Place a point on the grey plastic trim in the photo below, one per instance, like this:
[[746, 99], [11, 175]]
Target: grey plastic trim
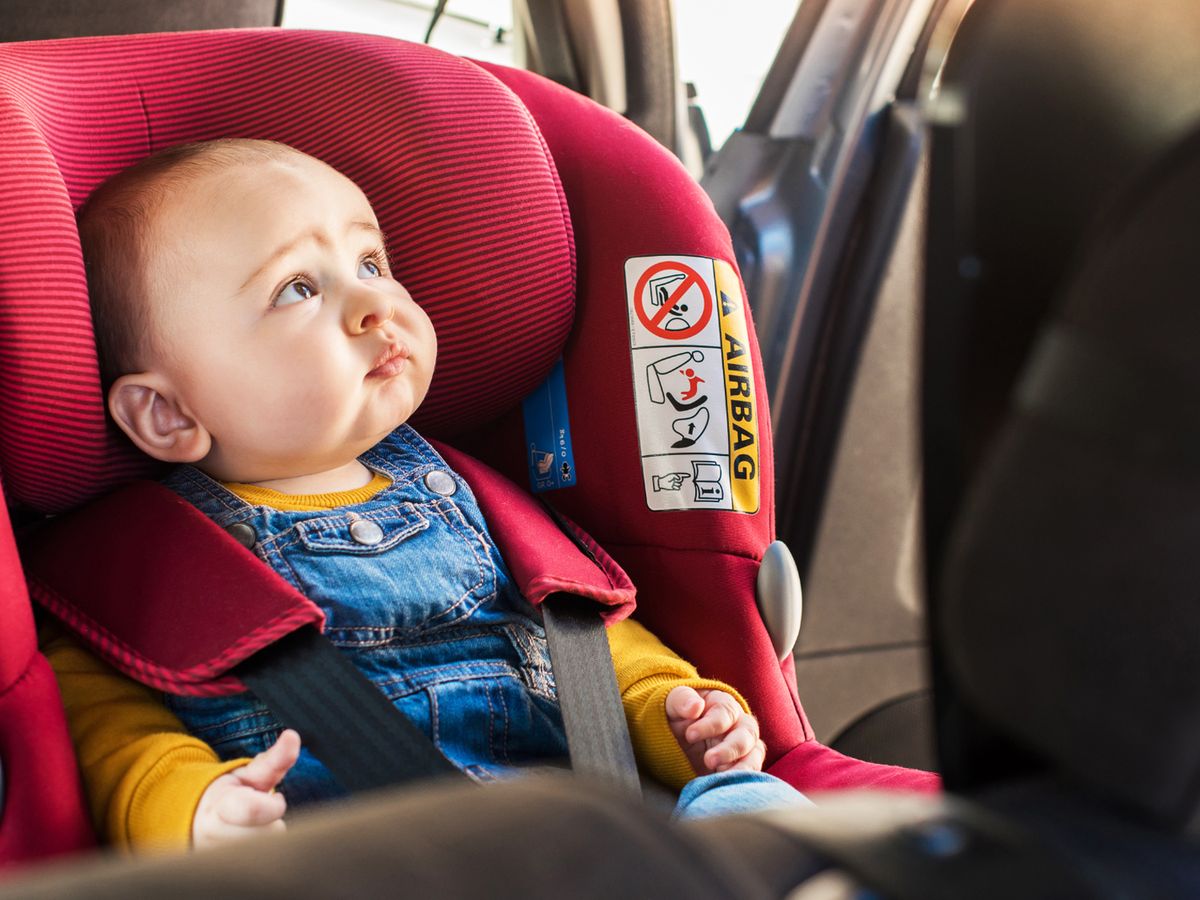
[[780, 597], [827, 63], [594, 30]]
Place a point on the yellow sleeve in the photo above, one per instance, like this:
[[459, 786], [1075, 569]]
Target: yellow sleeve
[[143, 773], [646, 672]]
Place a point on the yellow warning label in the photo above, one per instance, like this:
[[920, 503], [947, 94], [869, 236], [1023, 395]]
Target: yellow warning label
[[739, 391]]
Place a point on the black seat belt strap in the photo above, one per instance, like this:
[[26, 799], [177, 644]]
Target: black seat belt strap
[[593, 716], [367, 743], [344, 719], [594, 719]]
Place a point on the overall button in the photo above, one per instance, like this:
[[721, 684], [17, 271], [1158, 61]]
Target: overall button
[[441, 482], [366, 533], [244, 534]]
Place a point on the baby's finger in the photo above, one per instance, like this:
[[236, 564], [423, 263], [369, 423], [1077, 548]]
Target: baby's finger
[[729, 747], [721, 714], [683, 703], [752, 761], [269, 768], [248, 808], [736, 744]]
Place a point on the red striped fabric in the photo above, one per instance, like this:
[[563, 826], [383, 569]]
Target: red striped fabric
[[208, 678], [452, 162]]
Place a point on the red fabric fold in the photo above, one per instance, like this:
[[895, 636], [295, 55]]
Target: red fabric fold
[[164, 595], [542, 559], [44, 811], [159, 591]]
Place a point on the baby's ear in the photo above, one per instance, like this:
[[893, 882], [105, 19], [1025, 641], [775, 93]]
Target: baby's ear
[[147, 408]]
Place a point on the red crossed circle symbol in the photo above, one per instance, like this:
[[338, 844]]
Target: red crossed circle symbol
[[653, 323]]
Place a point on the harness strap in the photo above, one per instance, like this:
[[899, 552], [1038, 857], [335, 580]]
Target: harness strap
[[346, 721], [588, 696], [78, 567], [367, 743], [593, 717]]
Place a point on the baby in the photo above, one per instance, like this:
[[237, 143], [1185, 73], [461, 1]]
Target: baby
[[252, 332]]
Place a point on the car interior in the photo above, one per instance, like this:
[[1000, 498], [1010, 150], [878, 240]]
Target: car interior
[[964, 234]]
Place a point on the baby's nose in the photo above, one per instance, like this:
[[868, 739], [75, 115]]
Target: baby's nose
[[367, 309]]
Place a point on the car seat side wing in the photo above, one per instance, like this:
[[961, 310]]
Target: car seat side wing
[[42, 809]]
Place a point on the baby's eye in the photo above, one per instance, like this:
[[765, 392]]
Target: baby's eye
[[294, 292], [369, 268]]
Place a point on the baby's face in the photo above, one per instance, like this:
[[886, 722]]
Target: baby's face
[[279, 322]]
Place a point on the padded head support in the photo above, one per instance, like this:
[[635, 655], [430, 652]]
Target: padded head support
[[1070, 614], [470, 201]]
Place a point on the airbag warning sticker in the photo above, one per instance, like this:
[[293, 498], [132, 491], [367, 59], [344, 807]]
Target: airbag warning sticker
[[693, 384]]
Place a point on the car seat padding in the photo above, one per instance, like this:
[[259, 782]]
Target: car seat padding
[[166, 596], [688, 566], [695, 570], [43, 812]]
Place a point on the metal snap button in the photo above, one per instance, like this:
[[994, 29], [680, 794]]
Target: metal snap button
[[366, 532], [244, 534], [441, 482]]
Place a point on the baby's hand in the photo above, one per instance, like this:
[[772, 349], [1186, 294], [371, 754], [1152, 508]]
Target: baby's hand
[[714, 731], [241, 803]]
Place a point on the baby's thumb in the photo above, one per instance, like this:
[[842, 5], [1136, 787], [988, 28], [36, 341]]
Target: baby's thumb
[[269, 768], [684, 703]]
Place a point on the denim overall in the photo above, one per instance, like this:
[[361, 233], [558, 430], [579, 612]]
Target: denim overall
[[414, 591]]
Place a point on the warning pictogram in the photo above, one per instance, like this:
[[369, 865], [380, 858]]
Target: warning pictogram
[[693, 384], [672, 301]]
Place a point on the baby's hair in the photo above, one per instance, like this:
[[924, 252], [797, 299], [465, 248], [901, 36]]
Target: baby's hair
[[115, 234]]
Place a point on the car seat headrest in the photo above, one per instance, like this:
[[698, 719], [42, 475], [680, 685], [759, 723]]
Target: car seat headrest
[[1063, 101], [454, 165], [1069, 609]]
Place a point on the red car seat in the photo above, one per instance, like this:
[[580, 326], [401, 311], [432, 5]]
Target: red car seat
[[512, 206], [41, 813]]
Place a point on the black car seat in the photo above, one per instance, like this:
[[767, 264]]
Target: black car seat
[[34, 20], [1060, 403]]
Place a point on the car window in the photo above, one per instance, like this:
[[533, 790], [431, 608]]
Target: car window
[[481, 29], [725, 50]]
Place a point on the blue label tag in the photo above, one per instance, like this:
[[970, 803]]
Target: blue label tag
[[548, 434]]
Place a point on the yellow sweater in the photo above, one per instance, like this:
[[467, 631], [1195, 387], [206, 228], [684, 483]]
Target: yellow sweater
[[144, 774]]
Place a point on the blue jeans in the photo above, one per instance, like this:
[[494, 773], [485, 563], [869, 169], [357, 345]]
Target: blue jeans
[[725, 793]]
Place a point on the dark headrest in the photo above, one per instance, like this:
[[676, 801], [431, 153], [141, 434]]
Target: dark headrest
[[1064, 101], [1070, 610], [36, 20]]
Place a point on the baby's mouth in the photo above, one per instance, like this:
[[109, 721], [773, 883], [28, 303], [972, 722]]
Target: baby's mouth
[[390, 362]]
